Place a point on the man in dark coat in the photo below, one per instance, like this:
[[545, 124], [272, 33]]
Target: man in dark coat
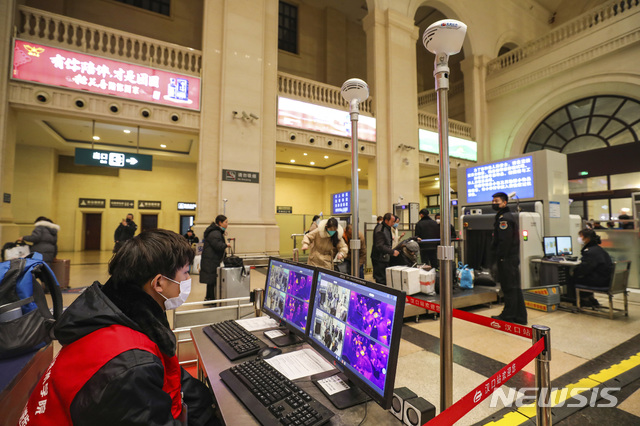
[[506, 251], [213, 253], [408, 250], [382, 249], [124, 232], [118, 362], [595, 268], [428, 229]]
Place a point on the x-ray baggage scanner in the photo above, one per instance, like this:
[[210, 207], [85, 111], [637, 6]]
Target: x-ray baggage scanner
[[538, 188]]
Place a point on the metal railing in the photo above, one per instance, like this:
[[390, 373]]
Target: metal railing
[[574, 28], [429, 96], [456, 128]]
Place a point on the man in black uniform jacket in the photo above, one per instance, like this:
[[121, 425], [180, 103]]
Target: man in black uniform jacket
[[124, 232], [428, 229], [382, 249], [506, 251]]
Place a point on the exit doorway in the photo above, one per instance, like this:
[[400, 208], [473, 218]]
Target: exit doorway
[[92, 230], [186, 222], [148, 221]]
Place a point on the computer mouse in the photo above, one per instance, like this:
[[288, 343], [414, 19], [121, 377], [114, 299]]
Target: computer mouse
[[266, 353]]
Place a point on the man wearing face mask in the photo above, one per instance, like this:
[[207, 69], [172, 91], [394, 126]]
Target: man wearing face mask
[[118, 362], [124, 232], [506, 252]]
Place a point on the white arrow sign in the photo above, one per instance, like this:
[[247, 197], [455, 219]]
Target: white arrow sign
[[132, 161]]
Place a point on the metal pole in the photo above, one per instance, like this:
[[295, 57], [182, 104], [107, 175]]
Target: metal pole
[[445, 250], [258, 296], [543, 381], [354, 243]]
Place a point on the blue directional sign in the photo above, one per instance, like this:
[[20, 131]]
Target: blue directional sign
[[118, 160]]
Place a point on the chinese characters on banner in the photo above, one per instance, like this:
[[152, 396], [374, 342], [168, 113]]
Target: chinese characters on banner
[[77, 71]]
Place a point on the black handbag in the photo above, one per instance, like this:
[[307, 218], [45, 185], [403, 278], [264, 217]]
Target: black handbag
[[233, 261]]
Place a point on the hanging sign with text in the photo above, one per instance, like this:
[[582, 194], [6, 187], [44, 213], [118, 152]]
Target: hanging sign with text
[[116, 160], [72, 70], [121, 204], [97, 203], [149, 205]]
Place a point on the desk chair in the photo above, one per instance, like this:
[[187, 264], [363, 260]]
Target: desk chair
[[617, 285]]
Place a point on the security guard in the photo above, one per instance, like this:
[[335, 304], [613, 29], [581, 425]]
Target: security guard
[[506, 250]]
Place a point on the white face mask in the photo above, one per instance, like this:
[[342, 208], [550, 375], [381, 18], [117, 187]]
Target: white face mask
[[438, 221], [176, 302], [580, 240]]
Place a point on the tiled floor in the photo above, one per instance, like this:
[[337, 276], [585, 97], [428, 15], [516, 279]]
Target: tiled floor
[[581, 345]]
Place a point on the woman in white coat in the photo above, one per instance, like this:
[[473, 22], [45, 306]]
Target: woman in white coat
[[325, 241]]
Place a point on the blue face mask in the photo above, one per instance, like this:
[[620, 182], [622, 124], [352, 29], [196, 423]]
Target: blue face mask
[[395, 225], [331, 233], [223, 229]]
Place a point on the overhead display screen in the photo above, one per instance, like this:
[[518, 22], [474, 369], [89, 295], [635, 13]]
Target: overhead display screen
[[77, 71], [458, 148], [341, 203], [504, 176], [303, 115]]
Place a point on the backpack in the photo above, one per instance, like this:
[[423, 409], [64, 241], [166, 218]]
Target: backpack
[[26, 323], [465, 276]]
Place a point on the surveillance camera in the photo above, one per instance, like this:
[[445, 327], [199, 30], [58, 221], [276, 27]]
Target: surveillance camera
[[42, 97], [445, 36], [346, 145], [362, 148], [292, 137], [145, 113], [225, 199], [80, 103], [175, 117], [114, 108], [235, 113], [245, 115], [312, 140], [252, 115], [329, 143]]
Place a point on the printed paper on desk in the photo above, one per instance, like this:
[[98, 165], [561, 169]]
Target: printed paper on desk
[[333, 384], [300, 363], [257, 323]]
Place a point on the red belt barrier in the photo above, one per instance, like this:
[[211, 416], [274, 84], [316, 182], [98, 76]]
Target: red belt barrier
[[479, 394], [507, 327]]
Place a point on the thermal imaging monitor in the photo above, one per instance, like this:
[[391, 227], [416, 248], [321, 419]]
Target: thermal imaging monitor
[[356, 325], [564, 246], [287, 297], [550, 248]]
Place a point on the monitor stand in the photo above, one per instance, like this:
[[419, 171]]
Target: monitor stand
[[342, 399], [282, 337]]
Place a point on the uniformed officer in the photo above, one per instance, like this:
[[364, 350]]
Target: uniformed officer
[[506, 251]]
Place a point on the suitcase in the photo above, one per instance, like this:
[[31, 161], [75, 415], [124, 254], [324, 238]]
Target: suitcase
[[61, 268]]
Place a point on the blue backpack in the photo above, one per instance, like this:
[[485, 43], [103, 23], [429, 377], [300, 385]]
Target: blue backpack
[[465, 275], [26, 322]]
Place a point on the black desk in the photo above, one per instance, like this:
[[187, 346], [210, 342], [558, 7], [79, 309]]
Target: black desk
[[546, 272], [211, 361]]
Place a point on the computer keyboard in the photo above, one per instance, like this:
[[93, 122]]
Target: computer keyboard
[[233, 340], [271, 397]]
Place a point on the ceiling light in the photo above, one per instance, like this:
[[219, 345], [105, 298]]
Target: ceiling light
[[313, 163], [293, 161], [162, 145], [326, 157], [304, 153], [359, 169], [127, 131], [96, 138], [437, 179]]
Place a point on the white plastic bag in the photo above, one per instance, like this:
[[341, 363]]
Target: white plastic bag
[[428, 281], [16, 252]]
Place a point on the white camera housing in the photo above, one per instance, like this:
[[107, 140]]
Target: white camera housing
[[445, 36]]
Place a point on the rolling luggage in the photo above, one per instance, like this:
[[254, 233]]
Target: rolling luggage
[[61, 268]]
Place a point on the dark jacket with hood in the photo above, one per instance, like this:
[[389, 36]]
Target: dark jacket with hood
[[428, 229], [595, 267], [382, 243], [213, 253], [45, 240], [130, 387]]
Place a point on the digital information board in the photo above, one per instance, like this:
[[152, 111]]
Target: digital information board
[[118, 160], [504, 176], [341, 203], [459, 148]]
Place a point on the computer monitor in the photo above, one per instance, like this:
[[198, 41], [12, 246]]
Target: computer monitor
[[357, 325], [564, 246], [550, 248], [287, 294]]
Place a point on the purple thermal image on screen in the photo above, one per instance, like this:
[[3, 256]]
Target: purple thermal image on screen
[[295, 311], [367, 357], [300, 285], [372, 317]]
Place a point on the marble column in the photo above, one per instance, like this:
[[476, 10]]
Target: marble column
[[391, 71], [238, 121], [474, 70]]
